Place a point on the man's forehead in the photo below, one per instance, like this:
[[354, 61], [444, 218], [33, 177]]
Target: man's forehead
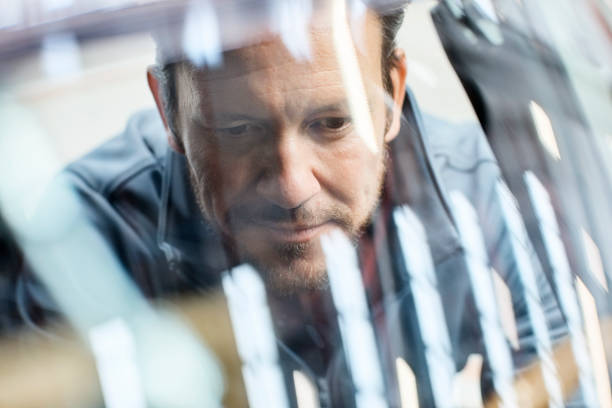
[[290, 90], [264, 78], [269, 56]]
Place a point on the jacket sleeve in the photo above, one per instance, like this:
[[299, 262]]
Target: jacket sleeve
[[101, 242]]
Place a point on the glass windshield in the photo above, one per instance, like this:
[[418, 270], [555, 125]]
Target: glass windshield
[[305, 203]]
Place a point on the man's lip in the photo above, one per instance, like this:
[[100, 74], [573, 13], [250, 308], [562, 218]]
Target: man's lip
[[288, 232]]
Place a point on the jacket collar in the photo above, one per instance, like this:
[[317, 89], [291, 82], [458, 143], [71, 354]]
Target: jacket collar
[[413, 180], [183, 234]]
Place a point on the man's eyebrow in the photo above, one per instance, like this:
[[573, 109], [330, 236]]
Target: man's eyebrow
[[342, 106], [223, 118]]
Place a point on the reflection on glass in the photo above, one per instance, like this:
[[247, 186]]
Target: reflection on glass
[[305, 391], [232, 145], [521, 252], [200, 23], [498, 351], [113, 345], [592, 329], [487, 9], [351, 75], [545, 131], [353, 318], [406, 380], [506, 309], [430, 313], [255, 339], [562, 276], [594, 259], [292, 19], [87, 282], [466, 384], [60, 55]]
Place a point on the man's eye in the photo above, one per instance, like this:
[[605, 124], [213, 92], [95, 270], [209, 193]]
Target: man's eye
[[331, 124], [240, 130]]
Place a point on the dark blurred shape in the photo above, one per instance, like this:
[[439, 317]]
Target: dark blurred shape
[[505, 82], [534, 121], [11, 263]]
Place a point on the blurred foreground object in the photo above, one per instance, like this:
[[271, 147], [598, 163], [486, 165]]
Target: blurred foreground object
[[59, 370], [62, 370], [129, 340]]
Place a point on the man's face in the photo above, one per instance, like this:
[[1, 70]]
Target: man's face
[[274, 154]]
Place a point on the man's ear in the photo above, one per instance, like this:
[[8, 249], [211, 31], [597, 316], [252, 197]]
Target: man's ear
[[154, 87], [397, 74]]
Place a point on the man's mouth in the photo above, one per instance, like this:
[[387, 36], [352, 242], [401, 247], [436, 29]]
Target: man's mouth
[[293, 232]]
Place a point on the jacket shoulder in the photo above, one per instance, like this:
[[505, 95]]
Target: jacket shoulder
[[118, 188], [463, 146], [140, 147]]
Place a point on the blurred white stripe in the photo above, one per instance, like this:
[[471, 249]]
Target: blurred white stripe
[[353, 318], [521, 252], [596, 347], [351, 75], [430, 312], [255, 339], [498, 351], [406, 382], [305, 391], [562, 276]]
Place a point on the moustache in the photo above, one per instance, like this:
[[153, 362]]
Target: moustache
[[244, 214]]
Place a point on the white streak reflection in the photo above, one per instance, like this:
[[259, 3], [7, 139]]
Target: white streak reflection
[[406, 381], [292, 18], [498, 351], [522, 252], [113, 346], [358, 13], [430, 312], [562, 275], [201, 36], [487, 8], [596, 347], [61, 55], [351, 75], [594, 260], [466, 384], [545, 131], [355, 327], [506, 309], [305, 391], [255, 338]]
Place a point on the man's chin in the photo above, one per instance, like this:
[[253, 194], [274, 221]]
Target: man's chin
[[301, 271]]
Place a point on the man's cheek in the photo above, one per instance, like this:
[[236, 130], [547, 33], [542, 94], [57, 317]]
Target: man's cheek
[[235, 188], [360, 177], [207, 176], [238, 177]]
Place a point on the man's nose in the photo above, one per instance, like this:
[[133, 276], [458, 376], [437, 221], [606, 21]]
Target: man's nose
[[289, 178]]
